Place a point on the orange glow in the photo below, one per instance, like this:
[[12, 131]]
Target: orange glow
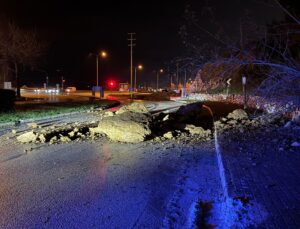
[[103, 54]]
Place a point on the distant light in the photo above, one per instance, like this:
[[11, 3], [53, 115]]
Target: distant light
[[140, 67], [103, 54], [161, 70], [111, 83]]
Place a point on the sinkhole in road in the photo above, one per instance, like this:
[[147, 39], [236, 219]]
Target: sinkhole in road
[[190, 114]]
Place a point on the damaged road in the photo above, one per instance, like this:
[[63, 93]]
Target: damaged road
[[97, 181], [91, 174]]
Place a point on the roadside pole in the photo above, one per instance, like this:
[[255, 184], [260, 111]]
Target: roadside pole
[[244, 81]]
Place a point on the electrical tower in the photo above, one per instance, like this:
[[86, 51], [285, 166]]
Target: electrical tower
[[131, 44]]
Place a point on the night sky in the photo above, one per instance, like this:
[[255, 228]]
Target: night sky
[[73, 30]]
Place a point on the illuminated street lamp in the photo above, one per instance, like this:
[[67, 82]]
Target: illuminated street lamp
[[103, 54], [157, 77], [139, 67]]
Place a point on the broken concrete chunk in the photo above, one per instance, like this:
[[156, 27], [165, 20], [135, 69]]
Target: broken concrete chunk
[[72, 134], [108, 114], [13, 131], [238, 114], [64, 139], [42, 138], [193, 130], [27, 137], [166, 118], [168, 135], [133, 107], [53, 140], [81, 135]]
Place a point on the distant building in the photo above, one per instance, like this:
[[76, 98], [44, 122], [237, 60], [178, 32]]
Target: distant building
[[123, 86]]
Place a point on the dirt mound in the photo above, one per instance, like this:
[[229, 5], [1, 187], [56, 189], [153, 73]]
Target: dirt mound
[[240, 121]]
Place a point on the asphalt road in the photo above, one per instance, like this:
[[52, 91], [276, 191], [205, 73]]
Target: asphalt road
[[98, 184]]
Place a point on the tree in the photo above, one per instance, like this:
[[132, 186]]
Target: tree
[[269, 54], [20, 48]]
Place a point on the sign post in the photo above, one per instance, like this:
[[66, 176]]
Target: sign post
[[244, 81]]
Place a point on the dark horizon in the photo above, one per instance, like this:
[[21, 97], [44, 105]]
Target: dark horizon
[[76, 29]]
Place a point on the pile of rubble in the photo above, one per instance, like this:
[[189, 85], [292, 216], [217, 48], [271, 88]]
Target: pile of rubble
[[131, 124], [240, 121], [285, 133], [55, 134]]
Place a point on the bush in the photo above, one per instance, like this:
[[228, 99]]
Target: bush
[[7, 100]]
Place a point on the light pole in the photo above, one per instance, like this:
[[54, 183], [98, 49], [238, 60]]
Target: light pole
[[103, 54], [244, 81], [139, 67], [62, 83], [157, 77], [47, 81]]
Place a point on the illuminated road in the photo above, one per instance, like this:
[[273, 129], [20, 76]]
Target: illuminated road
[[99, 184], [80, 95]]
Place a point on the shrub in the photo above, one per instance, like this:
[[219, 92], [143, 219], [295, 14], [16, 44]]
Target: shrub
[[7, 100]]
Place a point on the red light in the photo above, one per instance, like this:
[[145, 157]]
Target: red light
[[111, 84]]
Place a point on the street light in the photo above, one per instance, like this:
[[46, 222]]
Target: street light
[[157, 77], [139, 67], [102, 54]]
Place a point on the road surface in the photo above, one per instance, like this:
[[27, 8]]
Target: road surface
[[99, 184]]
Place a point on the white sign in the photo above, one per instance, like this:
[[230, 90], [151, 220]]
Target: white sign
[[228, 81], [244, 80], [7, 85]]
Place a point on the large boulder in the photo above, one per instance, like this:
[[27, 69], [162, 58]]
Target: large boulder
[[133, 107], [238, 114], [128, 127]]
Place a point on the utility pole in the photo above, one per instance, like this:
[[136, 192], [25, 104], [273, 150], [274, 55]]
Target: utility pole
[[131, 44], [177, 75], [97, 70], [62, 83], [184, 85]]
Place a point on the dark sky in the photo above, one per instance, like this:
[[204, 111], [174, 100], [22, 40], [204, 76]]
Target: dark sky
[[76, 28]]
